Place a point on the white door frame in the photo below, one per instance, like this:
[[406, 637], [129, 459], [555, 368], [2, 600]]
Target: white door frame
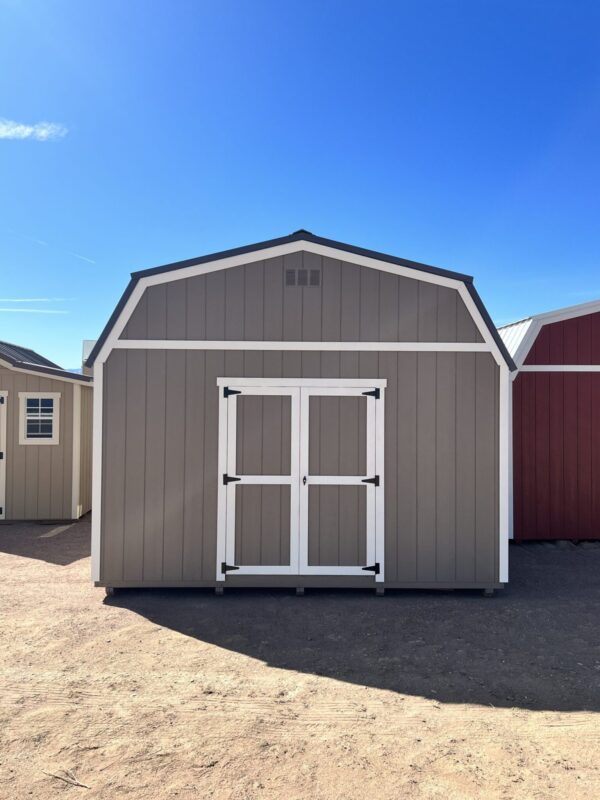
[[3, 412], [300, 390]]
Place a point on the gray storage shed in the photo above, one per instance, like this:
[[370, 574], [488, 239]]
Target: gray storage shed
[[300, 412], [45, 438]]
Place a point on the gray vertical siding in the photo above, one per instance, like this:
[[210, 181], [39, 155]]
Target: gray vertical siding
[[85, 473], [38, 477], [253, 302], [160, 457]]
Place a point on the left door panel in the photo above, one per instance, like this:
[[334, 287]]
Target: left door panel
[[260, 480]]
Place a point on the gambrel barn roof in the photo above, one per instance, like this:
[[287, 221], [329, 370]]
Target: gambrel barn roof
[[305, 236]]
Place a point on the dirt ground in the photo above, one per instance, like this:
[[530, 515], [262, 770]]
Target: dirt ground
[[256, 694]]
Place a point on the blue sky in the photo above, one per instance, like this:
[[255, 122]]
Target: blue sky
[[460, 134]]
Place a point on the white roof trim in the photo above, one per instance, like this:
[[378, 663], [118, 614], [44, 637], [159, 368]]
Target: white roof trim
[[519, 336], [283, 249]]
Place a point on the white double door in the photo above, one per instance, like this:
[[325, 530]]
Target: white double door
[[300, 477]]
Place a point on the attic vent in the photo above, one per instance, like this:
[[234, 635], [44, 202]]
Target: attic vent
[[302, 277]]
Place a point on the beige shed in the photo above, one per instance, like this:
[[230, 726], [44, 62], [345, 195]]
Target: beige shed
[[45, 438], [300, 413]]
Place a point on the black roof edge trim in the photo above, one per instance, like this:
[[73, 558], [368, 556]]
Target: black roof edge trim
[[491, 327], [303, 236], [55, 372], [295, 237]]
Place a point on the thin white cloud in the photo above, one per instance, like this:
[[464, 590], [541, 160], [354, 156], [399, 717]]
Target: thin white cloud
[[40, 132], [83, 258], [32, 311], [36, 299]]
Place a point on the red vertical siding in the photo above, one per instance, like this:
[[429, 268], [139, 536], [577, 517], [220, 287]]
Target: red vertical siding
[[572, 341], [556, 436], [556, 450]]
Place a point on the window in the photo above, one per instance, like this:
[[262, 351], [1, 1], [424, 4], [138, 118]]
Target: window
[[39, 417]]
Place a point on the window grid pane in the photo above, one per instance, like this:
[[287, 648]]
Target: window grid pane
[[39, 418]]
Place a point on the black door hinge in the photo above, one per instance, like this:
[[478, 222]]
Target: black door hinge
[[229, 479], [1, 456], [1, 400], [374, 480], [227, 392], [227, 567], [373, 568], [375, 393]]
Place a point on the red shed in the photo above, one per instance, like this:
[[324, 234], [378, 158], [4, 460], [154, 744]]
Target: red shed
[[556, 423]]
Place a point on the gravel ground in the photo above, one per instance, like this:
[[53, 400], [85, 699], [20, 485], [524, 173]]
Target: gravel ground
[[261, 694]]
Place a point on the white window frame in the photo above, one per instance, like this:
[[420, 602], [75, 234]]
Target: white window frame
[[23, 397], [300, 391]]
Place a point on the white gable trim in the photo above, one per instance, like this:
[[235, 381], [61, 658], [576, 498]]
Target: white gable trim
[[547, 318], [285, 249]]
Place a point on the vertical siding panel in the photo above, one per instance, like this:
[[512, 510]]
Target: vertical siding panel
[[407, 394], [446, 314], [135, 464], [428, 302], [555, 347], [426, 471], [331, 279], [466, 330], [528, 454], [485, 464], [215, 364], [157, 311], [569, 341], [408, 310], [350, 302], [584, 339], [595, 466], [369, 305], [388, 368], [312, 301], [273, 299], [194, 479], [235, 289], [570, 424], [584, 454], [176, 309], [556, 455], [542, 454], [595, 356], [215, 305], [388, 307], [292, 301], [175, 447], [113, 466], [196, 308], [254, 313], [517, 458], [466, 477], [137, 327], [66, 456], [446, 466], [155, 465]]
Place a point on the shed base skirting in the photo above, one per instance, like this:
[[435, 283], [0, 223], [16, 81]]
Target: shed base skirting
[[291, 582]]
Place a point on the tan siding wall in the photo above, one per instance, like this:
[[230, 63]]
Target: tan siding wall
[[160, 461], [85, 474], [38, 477], [252, 302]]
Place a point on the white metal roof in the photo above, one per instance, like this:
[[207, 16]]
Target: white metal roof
[[519, 336]]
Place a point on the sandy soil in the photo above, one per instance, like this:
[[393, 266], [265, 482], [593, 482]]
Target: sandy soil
[[266, 695]]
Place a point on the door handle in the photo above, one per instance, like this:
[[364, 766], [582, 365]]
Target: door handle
[[304, 480]]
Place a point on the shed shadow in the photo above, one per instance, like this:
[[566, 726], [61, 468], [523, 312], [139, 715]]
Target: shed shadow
[[534, 646], [60, 543]]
